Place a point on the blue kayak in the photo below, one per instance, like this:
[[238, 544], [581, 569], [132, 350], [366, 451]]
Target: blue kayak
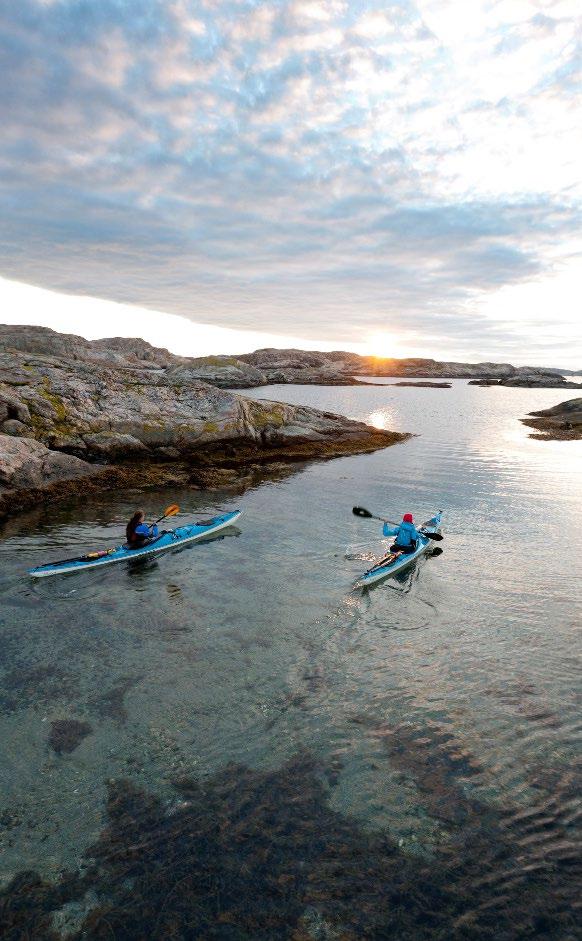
[[396, 562], [171, 539]]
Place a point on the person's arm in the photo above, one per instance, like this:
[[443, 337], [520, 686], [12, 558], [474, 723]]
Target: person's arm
[[154, 531], [389, 530]]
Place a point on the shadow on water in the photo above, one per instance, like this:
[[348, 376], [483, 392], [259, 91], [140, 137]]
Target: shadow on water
[[251, 854]]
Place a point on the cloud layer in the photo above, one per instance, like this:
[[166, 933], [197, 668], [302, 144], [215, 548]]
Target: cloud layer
[[319, 168]]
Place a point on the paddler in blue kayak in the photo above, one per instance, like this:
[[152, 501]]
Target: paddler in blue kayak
[[138, 533], [406, 534]]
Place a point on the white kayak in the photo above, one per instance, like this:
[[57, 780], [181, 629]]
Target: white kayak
[[396, 562]]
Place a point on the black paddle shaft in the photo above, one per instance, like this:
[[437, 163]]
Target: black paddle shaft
[[365, 514]]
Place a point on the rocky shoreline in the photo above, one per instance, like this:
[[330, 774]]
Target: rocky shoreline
[[529, 382], [340, 368], [78, 417], [267, 366], [563, 422]]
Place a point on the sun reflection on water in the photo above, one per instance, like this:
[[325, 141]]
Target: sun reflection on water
[[382, 418]]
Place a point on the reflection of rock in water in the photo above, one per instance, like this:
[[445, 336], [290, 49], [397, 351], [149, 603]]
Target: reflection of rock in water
[[253, 855]]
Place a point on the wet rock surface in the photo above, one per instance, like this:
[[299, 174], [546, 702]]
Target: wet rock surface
[[563, 422]]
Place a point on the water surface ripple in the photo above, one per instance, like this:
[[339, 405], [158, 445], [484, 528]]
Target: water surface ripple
[[257, 750]]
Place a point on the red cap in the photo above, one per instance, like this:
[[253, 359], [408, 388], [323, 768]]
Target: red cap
[[407, 518]]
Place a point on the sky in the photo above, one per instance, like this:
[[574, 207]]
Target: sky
[[402, 178]]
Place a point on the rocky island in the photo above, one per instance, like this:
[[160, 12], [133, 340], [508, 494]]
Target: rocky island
[[530, 381], [424, 385], [341, 368], [78, 416], [563, 422]]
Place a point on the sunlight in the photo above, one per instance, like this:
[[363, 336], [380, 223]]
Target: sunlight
[[383, 345], [382, 419]]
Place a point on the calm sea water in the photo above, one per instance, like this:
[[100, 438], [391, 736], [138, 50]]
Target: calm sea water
[[299, 760]]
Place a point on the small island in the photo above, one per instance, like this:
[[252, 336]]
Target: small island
[[540, 381], [563, 422], [424, 385]]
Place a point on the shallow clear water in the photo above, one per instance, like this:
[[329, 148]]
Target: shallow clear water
[[438, 711]]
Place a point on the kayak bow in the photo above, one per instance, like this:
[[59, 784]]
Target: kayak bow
[[398, 561], [171, 539]]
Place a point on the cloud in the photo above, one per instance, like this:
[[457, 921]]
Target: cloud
[[317, 168]]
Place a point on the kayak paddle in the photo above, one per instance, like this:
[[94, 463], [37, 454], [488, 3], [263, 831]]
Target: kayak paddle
[[365, 514], [361, 511], [170, 511]]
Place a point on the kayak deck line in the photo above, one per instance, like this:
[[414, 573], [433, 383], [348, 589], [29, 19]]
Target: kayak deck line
[[395, 562], [171, 539]]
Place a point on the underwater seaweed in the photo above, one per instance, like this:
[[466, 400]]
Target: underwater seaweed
[[252, 854]]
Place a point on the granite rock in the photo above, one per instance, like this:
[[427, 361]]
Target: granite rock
[[562, 422], [530, 381], [71, 416]]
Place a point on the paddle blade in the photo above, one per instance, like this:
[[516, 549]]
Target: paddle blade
[[437, 537], [360, 511], [171, 510]]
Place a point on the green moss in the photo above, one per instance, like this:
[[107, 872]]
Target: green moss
[[55, 400], [218, 361], [268, 416], [37, 422], [210, 427], [60, 424], [153, 428]]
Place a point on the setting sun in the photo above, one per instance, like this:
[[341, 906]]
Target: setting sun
[[383, 345]]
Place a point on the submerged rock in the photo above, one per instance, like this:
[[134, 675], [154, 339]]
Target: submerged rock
[[248, 854], [67, 734], [562, 422]]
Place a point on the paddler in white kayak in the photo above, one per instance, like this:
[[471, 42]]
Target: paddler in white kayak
[[137, 531], [406, 534]]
